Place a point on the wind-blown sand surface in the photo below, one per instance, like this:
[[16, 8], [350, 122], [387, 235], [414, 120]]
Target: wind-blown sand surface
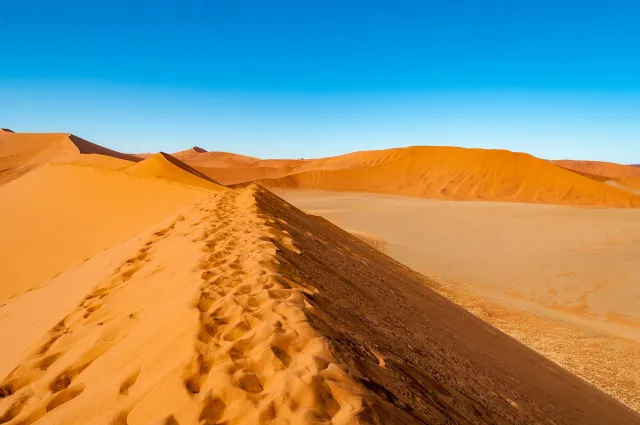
[[144, 292], [23, 152], [529, 269], [241, 309], [421, 171], [57, 216], [599, 168]]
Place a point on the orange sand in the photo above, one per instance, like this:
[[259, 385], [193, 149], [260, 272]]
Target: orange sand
[[243, 310], [630, 182], [456, 173], [148, 294], [606, 169], [23, 152], [164, 166], [62, 214]]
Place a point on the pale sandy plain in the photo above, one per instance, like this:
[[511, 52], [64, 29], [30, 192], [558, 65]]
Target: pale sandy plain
[[141, 291]]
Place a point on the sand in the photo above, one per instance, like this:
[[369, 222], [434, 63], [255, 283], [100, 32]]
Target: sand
[[144, 292], [166, 167], [60, 215], [228, 168], [599, 168], [632, 184], [457, 173], [24, 152], [526, 268], [241, 309]]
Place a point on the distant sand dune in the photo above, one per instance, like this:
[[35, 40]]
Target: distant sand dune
[[23, 152], [455, 173], [164, 166], [599, 168]]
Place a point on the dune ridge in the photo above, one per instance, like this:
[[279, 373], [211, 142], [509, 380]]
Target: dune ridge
[[455, 173], [241, 309], [165, 166], [23, 152], [600, 168]]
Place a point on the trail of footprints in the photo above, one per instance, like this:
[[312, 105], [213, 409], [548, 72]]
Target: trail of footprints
[[253, 334], [24, 387], [255, 360]]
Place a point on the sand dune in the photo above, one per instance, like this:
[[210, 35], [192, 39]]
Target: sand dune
[[58, 215], [164, 166], [631, 184], [551, 276], [228, 168], [243, 310], [23, 152], [455, 173], [424, 171], [598, 168]]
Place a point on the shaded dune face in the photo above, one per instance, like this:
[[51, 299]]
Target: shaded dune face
[[24, 152], [242, 309], [599, 168], [165, 166]]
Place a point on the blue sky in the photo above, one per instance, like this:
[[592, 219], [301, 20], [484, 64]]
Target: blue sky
[[558, 79]]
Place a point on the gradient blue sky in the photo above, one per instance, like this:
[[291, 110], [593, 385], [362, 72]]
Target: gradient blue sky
[[558, 79]]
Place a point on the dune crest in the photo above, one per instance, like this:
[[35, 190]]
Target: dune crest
[[244, 310], [599, 168], [165, 166], [23, 152]]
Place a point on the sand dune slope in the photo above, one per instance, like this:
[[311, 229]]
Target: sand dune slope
[[244, 310], [164, 166], [229, 168], [598, 168], [23, 152], [58, 215], [455, 173], [632, 184]]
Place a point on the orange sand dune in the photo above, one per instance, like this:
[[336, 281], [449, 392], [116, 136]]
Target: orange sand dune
[[22, 152], [241, 309], [630, 183], [606, 169], [200, 157], [164, 166], [98, 161], [229, 168], [58, 215], [230, 175], [455, 173]]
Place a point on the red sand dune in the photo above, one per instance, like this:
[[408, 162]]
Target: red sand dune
[[599, 168], [22, 152], [164, 166], [455, 173], [630, 182], [230, 168]]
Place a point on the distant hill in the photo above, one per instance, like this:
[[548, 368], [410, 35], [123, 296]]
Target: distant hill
[[454, 173]]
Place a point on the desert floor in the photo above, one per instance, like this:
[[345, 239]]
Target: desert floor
[[535, 271]]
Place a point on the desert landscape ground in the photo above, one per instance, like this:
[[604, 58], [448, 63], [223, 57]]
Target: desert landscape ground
[[180, 289]]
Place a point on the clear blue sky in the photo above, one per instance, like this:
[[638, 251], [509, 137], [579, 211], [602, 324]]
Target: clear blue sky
[[558, 79]]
